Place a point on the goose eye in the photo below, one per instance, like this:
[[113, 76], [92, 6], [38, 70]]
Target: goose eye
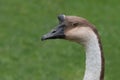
[[75, 24]]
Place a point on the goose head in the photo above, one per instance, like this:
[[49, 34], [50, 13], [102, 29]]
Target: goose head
[[71, 28], [78, 29]]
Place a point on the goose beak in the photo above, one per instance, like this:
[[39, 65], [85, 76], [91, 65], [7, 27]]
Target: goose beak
[[56, 33]]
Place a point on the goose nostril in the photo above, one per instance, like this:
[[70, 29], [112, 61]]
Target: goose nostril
[[53, 31]]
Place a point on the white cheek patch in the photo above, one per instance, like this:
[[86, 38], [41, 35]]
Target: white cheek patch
[[79, 34]]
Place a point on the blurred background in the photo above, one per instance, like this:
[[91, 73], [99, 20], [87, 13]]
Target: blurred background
[[23, 56]]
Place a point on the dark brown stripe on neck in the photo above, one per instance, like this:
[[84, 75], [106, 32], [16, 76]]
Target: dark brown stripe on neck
[[102, 60]]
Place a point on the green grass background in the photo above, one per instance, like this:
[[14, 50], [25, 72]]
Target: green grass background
[[23, 56]]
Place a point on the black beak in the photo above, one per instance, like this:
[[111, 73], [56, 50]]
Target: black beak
[[56, 33]]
